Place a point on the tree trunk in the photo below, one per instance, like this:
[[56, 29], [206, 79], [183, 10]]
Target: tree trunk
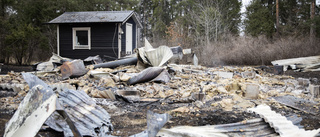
[[277, 16], [312, 30]]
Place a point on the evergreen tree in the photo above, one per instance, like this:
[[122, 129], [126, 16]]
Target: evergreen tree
[[260, 20]]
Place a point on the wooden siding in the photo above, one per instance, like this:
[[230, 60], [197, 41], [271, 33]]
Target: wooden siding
[[104, 41]]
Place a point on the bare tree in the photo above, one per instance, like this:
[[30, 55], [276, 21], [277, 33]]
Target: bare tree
[[207, 21]]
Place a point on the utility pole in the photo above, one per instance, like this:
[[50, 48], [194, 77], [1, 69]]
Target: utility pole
[[277, 16], [312, 14]]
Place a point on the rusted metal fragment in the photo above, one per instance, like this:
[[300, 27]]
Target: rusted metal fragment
[[33, 111], [280, 123], [51, 64], [74, 68], [89, 118]]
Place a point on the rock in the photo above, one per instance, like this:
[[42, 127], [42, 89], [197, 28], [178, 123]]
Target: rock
[[226, 104], [227, 75], [297, 92], [221, 89], [273, 93], [85, 89], [198, 104], [183, 109], [235, 86], [124, 77], [107, 82]]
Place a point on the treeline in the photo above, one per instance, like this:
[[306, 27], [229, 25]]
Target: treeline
[[295, 17], [210, 27]]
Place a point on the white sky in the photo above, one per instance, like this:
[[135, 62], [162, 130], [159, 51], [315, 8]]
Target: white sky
[[244, 4]]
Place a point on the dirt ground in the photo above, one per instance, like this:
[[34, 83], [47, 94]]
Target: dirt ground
[[130, 118]]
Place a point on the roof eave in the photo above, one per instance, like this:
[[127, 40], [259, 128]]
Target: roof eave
[[135, 18]]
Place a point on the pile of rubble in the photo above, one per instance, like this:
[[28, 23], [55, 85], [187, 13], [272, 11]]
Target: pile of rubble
[[82, 100]]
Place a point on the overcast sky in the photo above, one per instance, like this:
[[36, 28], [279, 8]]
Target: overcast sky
[[244, 4]]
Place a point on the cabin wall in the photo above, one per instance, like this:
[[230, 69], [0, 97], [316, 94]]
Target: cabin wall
[[104, 41]]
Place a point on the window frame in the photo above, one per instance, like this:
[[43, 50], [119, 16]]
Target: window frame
[[74, 42]]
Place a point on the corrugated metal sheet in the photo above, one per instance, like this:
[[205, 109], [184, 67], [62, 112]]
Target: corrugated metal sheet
[[89, 118], [37, 105], [159, 56], [280, 123], [93, 16], [252, 127]]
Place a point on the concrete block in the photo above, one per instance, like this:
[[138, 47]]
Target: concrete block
[[303, 81], [314, 90], [248, 74], [252, 91], [224, 74]]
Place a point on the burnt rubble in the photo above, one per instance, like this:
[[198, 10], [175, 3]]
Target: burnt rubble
[[125, 99]]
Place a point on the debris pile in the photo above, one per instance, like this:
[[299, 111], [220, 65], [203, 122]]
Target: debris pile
[[304, 64], [95, 100]]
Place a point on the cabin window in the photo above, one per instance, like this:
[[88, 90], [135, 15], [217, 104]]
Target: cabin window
[[81, 38]]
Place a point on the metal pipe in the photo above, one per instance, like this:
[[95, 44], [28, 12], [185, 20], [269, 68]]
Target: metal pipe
[[117, 63]]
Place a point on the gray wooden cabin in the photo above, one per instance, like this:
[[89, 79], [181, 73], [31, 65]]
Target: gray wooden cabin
[[110, 34]]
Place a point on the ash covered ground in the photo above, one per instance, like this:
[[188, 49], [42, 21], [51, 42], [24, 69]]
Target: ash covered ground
[[224, 101]]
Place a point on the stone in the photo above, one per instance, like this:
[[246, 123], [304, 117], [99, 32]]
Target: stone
[[221, 89], [124, 77], [198, 104], [297, 92], [107, 82]]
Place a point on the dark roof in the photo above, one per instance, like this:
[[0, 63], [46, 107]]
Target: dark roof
[[95, 16]]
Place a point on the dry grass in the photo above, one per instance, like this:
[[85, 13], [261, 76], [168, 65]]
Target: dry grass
[[255, 50]]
